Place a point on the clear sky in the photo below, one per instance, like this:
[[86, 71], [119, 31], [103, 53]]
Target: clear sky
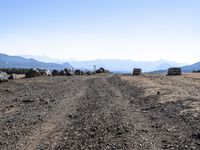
[[91, 29]]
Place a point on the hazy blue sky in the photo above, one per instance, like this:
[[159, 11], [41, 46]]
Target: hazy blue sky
[[90, 29]]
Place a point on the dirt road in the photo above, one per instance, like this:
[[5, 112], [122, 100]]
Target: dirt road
[[100, 112]]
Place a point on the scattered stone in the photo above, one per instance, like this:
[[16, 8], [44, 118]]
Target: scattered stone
[[46, 101]]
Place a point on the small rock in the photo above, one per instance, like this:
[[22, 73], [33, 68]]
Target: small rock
[[27, 101], [158, 93], [196, 136], [46, 101]]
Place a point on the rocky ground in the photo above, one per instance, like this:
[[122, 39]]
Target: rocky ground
[[101, 113]]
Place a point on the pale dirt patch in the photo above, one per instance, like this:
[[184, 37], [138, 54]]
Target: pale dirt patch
[[171, 88]]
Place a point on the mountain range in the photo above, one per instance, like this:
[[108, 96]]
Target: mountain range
[[125, 66], [185, 69], [7, 61], [114, 65]]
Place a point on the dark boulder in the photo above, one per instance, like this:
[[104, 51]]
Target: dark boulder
[[196, 71], [55, 73], [12, 76], [45, 72], [78, 72], [100, 70], [3, 77], [33, 73], [69, 72], [107, 71], [63, 73], [89, 73]]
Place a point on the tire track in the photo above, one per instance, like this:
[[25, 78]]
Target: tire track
[[55, 119]]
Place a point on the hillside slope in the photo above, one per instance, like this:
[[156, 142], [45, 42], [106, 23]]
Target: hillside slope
[[7, 61], [190, 68]]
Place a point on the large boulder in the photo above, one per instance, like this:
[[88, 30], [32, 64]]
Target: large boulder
[[78, 72], [12, 76], [3, 77], [33, 73], [69, 72], [63, 73], [45, 72], [55, 73], [89, 73], [100, 70]]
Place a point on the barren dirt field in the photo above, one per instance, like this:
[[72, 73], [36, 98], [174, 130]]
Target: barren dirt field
[[106, 112]]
